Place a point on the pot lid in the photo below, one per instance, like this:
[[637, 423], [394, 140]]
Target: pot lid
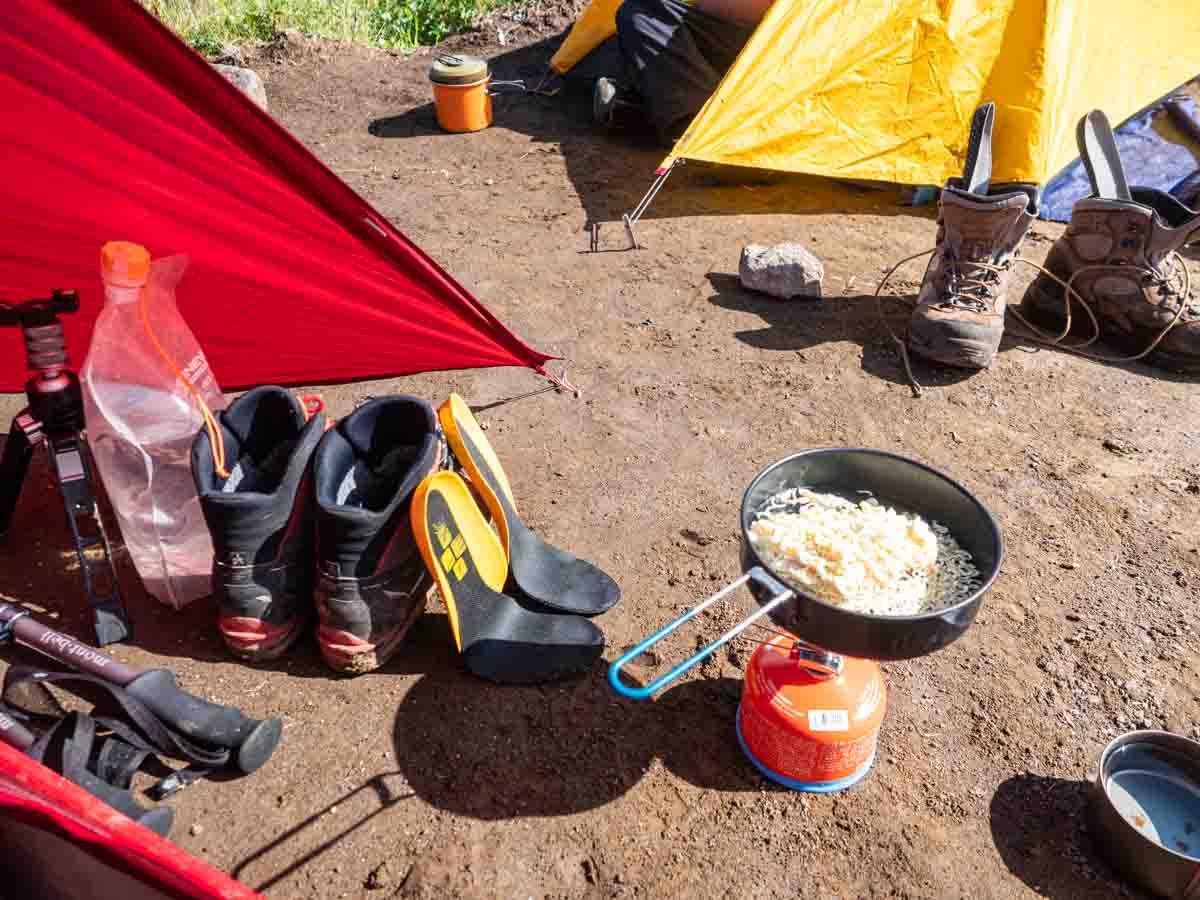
[[453, 68]]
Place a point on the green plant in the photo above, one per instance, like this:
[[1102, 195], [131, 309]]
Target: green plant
[[212, 25], [417, 23]]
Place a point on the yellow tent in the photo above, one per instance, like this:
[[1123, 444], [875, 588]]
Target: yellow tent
[[884, 90]]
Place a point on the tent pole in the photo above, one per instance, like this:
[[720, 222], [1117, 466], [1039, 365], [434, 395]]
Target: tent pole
[[631, 219]]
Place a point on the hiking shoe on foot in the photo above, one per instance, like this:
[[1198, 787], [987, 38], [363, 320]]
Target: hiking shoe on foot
[[615, 107], [371, 581], [959, 317], [1120, 256], [604, 98], [260, 518]]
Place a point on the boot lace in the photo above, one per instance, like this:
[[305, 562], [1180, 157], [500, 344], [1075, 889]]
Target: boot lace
[[972, 284], [1173, 284]]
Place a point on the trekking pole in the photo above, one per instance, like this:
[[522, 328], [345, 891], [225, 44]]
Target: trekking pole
[[14, 733], [250, 742]]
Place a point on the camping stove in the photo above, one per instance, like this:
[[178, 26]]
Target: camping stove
[[811, 709], [809, 719]]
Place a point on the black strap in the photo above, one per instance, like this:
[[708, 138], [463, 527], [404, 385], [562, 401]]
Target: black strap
[[133, 722], [67, 748], [117, 761]]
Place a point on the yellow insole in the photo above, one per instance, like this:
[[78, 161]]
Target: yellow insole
[[455, 540], [456, 420]]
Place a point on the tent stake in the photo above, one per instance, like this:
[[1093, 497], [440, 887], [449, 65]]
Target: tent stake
[[559, 381], [631, 219]]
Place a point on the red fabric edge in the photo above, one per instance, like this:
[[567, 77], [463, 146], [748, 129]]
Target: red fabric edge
[[33, 794]]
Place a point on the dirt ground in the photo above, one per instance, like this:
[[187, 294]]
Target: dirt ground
[[422, 781]]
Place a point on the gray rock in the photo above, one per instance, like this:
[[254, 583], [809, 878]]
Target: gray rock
[[784, 271], [247, 81]]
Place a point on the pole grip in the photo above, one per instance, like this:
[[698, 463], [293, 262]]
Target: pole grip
[[251, 740]]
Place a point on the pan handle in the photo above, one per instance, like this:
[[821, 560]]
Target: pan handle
[[758, 574]]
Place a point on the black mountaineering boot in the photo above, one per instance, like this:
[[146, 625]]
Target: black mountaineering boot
[[260, 518], [371, 581]]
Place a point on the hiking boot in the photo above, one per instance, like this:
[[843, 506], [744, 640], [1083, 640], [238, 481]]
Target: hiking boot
[[959, 317], [260, 518], [371, 581], [1120, 256]]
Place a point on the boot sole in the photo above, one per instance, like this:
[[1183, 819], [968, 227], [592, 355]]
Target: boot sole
[[1130, 344], [254, 641], [344, 652], [961, 353]]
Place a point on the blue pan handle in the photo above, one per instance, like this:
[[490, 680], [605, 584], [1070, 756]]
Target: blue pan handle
[[758, 574]]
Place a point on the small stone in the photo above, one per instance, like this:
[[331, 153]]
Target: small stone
[[247, 81], [1118, 447], [196, 830], [784, 271], [377, 878]]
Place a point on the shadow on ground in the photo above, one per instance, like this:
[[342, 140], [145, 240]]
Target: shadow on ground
[[1039, 828], [493, 752], [611, 172], [799, 325], [382, 792]]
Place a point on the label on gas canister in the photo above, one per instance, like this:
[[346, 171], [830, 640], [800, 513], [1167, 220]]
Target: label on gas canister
[[828, 720], [789, 754]]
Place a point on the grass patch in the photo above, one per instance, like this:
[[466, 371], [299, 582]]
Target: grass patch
[[210, 25]]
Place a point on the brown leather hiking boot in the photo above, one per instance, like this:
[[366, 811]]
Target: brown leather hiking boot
[[959, 317], [1120, 256]]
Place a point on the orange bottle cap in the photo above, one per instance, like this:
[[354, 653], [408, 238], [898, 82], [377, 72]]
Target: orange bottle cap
[[124, 263]]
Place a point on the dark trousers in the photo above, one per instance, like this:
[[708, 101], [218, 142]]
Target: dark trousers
[[675, 56]]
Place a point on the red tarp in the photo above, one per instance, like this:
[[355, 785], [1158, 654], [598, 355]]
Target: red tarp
[[61, 843], [112, 129]]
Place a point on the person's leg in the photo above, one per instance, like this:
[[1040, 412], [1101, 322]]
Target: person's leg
[[676, 56]]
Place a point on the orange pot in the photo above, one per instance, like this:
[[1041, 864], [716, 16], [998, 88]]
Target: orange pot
[[460, 93]]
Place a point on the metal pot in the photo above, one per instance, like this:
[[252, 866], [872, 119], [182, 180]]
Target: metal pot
[[1145, 811], [908, 486]]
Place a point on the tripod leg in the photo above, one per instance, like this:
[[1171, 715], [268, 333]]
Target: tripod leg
[[72, 464], [23, 434]]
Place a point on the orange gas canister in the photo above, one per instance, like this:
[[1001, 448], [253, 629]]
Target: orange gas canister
[[810, 720], [460, 92]]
